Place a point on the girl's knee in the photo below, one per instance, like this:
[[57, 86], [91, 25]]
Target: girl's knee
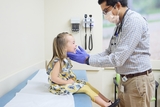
[[84, 89]]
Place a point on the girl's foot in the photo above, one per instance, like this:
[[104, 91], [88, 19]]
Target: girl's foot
[[115, 103]]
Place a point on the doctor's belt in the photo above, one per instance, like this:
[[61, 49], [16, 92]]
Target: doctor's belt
[[137, 74]]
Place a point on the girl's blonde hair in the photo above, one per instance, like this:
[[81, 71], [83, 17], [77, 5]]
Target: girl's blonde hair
[[59, 45]]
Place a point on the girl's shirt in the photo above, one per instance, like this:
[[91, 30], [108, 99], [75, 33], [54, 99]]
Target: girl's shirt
[[65, 74]]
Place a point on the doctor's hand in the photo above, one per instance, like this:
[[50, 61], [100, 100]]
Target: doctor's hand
[[80, 56]]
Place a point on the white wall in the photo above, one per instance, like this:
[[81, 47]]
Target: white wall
[[21, 36], [27, 29], [57, 19]]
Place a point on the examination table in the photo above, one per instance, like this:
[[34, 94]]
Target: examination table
[[80, 100]]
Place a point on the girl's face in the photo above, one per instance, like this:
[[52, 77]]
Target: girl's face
[[71, 46]]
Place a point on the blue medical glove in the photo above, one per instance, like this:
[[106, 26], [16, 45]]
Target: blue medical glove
[[80, 56]]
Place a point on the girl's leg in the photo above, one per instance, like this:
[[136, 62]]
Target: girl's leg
[[94, 96], [101, 102], [97, 92]]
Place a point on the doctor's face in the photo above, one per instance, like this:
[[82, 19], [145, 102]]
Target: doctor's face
[[105, 9]]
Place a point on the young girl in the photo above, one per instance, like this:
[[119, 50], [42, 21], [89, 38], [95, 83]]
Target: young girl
[[61, 78]]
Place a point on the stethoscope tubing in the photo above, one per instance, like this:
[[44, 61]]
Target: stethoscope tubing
[[116, 37]]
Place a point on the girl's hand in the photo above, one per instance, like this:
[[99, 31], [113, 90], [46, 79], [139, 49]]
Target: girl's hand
[[70, 81]]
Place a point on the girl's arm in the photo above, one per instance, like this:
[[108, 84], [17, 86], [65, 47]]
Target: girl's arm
[[54, 75]]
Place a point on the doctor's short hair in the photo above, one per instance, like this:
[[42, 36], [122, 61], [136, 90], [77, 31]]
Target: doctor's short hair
[[112, 3]]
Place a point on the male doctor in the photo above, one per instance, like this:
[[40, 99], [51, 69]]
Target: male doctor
[[128, 52]]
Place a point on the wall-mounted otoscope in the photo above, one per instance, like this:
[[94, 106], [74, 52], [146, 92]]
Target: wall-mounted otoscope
[[90, 44], [85, 17], [88, 23]]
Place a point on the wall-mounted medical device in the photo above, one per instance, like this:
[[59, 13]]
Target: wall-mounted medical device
[[75, 24], [88, 22]]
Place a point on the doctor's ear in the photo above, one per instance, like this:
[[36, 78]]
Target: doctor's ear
[[118, 5]]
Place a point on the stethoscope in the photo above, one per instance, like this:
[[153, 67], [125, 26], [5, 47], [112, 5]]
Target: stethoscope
[[119, 28], [116, 37]]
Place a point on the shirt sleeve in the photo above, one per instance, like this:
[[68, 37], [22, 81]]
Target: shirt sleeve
[[129, 39], [104, 53]]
